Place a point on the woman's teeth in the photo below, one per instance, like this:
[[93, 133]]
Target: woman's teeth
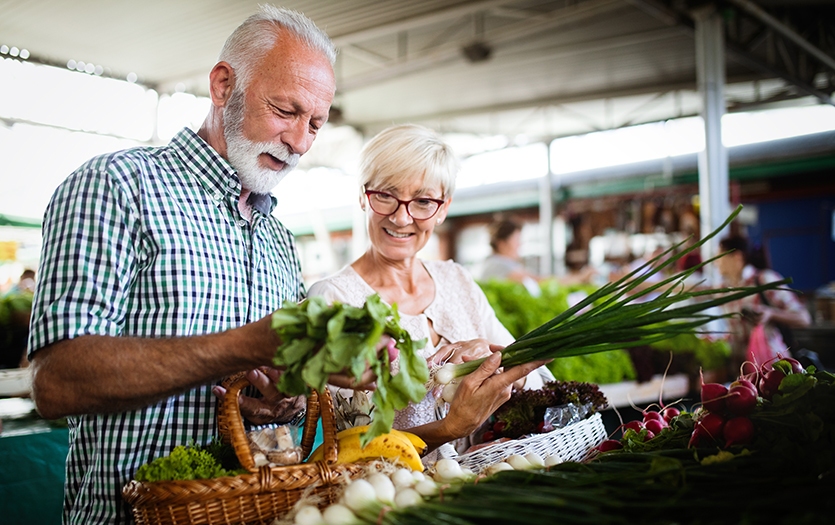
[[397, 235]]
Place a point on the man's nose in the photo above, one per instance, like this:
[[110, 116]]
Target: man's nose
[[297, 137]]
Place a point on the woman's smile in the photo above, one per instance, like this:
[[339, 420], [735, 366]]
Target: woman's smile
[[398, 235]]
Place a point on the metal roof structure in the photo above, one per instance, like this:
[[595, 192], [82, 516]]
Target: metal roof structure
[[539, 68]]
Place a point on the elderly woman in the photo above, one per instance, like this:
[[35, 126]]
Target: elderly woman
[[407, 177]]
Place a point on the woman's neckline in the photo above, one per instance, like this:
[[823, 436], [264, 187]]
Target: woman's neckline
[[431, 276]]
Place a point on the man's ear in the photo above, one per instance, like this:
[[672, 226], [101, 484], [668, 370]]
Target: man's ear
[[221, 83]]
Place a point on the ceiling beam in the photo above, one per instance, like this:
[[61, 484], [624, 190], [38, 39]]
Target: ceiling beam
[[735, 51], [557, 99], [452, 53], [415, 22], [786, 31]]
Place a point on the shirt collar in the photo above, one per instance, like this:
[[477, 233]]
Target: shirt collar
[[214, 172]]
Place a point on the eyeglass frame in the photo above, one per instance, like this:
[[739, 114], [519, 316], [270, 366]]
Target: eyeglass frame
[[368, 193]]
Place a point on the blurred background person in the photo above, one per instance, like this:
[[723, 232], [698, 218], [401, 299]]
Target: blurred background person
[[505, 262], [777, 311], [15, 311]]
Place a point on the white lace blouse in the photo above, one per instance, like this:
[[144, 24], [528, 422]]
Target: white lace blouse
[[459, 312]]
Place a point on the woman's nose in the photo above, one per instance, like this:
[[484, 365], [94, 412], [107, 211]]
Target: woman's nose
[[401, 216]]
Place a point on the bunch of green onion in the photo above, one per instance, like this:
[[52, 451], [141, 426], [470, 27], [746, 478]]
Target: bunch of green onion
[[613, 318]]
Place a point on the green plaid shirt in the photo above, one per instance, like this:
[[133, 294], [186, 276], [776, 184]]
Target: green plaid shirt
[[148, 242]]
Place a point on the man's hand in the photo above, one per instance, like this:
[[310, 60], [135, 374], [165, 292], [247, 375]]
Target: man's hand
[[273, 407]]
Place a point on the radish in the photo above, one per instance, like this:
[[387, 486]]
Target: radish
[[712, 425], [797, 368], [708, 430], [610, 444], [636, 425], [770, 383], [655, 426], [713, 397], [745, 383], [649, 436], [741, 400], [652, 415], [669, 413], [738, 431]]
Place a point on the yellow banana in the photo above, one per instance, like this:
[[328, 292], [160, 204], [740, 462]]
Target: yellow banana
[[416, 441], [316, 455], [388, 446]]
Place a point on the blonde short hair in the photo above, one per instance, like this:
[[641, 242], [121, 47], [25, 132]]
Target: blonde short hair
[[402, 153]]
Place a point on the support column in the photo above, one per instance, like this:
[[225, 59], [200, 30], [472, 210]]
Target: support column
[[546, 220], [714, 206]]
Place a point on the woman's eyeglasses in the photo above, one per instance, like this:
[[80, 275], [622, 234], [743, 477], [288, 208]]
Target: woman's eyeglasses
[[419, 209]]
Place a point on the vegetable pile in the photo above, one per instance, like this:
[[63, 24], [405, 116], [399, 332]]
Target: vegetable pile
[[784, 475], [321, 339], [792, 422]]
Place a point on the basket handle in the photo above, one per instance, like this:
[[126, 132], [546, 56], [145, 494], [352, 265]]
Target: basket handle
[[231, 424]]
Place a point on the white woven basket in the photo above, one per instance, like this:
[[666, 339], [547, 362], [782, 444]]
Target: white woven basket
[[572, 443]]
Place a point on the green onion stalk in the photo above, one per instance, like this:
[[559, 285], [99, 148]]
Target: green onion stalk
[[618, 315]]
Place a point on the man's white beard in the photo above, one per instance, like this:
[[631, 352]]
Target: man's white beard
[[243, 153]]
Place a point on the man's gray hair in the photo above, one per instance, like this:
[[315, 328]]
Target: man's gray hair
[[256, 36]]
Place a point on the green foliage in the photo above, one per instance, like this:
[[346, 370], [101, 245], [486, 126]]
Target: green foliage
[[601, 368], [186, 463], [320, 339], [710, 354]]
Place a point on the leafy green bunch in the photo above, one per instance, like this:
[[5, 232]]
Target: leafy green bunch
[[184, 462], [320, 339]]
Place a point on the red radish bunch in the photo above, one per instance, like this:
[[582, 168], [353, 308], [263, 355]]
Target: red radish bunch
[[726, 408]]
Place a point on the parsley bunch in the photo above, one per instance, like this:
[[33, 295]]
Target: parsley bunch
[[320, 339]]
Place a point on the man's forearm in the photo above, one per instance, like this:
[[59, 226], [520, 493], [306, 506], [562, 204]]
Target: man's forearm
[[103, 374]]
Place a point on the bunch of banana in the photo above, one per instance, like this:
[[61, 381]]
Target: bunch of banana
[[396, 445]]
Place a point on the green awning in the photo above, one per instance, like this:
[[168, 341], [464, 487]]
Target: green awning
[[20, 222]]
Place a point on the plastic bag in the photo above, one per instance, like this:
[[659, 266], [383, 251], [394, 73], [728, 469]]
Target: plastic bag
[[759, 351], [275, 445], [564, 415]]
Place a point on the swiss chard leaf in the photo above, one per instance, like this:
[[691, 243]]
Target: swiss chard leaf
[[320, 339]]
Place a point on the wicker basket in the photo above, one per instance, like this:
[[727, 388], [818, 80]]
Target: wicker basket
[[572, 443], [260, 496]]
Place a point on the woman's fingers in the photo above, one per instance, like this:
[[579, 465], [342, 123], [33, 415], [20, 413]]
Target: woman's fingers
[[443, 354]]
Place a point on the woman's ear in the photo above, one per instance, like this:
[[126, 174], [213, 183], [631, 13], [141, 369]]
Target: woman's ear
[[362, 202], [442, 213]]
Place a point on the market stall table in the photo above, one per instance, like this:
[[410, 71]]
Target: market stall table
[[32, 457]]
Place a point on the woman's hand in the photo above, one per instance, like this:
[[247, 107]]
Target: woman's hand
[[481, 393], [463, 351], [366, 381], [273, 407]]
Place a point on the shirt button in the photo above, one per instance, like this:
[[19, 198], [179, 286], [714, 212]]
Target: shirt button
[[241, 223], [217, 196]]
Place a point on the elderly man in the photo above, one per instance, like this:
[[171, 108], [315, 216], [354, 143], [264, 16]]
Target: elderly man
[[160, 267]]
